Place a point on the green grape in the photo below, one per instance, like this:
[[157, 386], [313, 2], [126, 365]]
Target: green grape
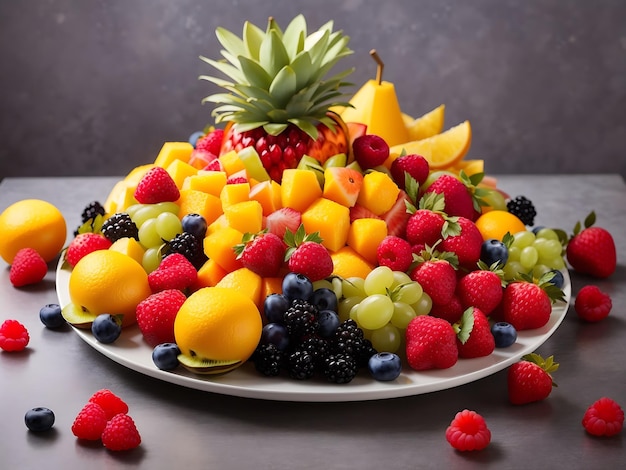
[[374, 311], [514, 253], [557, 263], [354, 315], [337, 286], [132, 210], [548, 234], [528, 257], [399, 278], [408, 293], [148, 235], [495, 200], [548, 249], [149, 211], [378, 280], [540, 269], [423, 305], [345, 305], [170, 207], [523, 239], [353, 287], [402, 315], [151, 259], [387, 338], [512, 269], [168, 225], [322, 284]]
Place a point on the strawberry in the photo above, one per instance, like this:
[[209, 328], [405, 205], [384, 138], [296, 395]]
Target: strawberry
[[482, 288], [83, 244], [468, 431], [370, 151], [307, 256], [284, 218], [529, 380], [415, 166], [262, 253], [592, 249], [474, 338], [90, 422], [430, 343], [395, 253], [436, 273], [174, 272], [359, 212], [110, 402], [156, 315], [211, 142], [592, 304], [604, 417], [451, 311], [466, 245], [424, 227], [215, 165], [396, 218], [156, 186], [120, 433], [462, 197], [28, 267]]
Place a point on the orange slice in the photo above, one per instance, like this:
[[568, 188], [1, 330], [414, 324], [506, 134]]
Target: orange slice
[[442, 150], [428, 125]]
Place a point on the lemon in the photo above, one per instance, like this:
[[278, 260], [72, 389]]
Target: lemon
[[496, 223]]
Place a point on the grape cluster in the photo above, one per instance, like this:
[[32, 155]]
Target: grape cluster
[[538, 253]]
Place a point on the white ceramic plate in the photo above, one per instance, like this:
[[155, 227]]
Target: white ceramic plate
[[131, 351]]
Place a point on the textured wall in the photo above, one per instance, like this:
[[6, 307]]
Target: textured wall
[[96, 87]]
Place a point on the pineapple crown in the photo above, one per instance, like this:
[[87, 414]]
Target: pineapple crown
[[276, 78]]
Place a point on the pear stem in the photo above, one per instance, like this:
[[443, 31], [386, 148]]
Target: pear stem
[[380, 67]]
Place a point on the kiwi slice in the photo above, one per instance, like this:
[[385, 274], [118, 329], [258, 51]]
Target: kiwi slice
[[200, 365], [77, 316]]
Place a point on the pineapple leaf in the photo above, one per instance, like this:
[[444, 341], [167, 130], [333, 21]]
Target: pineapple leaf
[[305, 126], [294, 36], [230, 41], [274, 128], [301, 65], [252, 39], [316, 44], [254, 74], [217, 81], [272, 56], [229, 70], [283, 87], [248, 126]]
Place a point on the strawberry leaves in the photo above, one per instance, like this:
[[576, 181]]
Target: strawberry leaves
[[294, 239]]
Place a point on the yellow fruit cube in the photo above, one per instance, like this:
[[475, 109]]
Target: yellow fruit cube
[[219, 247], [192, 201], [135, 175], [330, 219], [299, 188], [342, 185], [234, 193], [172, 151], [378, 192], [218, 224], [179, 170], [267, 193], [232, 163], [365, 235], [210, 182], [130, 247], [245, 216], [348, 263], [209, 274], [246, 282]]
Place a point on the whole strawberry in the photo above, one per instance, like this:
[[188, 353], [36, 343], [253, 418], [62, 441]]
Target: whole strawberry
[[527, 305], [459, 200], [474, 338], [529, 380], [395, 253], [28, 267], [156, 186], [211, 142], [466, 245], [156, 315], [415, 166], [174, 272], [262, 253], [436, 273], [592, 249], [430, 343], [452, 311], [482, 288], [83, 244], [307, 256]]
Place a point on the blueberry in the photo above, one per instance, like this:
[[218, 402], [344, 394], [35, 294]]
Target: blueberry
[[504, 334], [39, 419], [324, 299], [50, 316], [193, 138], [537, 228], [492, 251], [106, 328], [297, 286], [165, 356], [275, 306], [558, 280], [327, 323], [194, 224], [385, 366], [275, 334]]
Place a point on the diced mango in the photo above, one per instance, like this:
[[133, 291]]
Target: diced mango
[[192, 201], [210, 182], [130, 247], [330, 219], [219, 247], [209, 274], [246, 282], [348, 263], [231, 162], [218, 224], [365, 235], [245, 216], [378, 192], [267, 193], [135, 175], [172, 151], [179, 170], [234, 193], [342, 185], [299, 188]]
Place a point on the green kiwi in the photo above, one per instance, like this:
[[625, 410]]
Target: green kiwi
[[200, 365], [77, 316]]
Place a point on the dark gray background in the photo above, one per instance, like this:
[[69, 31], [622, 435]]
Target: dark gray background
[[96, 87]]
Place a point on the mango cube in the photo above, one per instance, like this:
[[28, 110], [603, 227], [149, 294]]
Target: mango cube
[[130, 247], [330, 219], [378, 192], [299, 188], [365, 235], [172, 151], [219, 247], [192, 201], [245, 216], [348, 263], [210, 182], [267, 193], [234, 193], [209, 274], [232, 163], [246, 282], [179, 170]]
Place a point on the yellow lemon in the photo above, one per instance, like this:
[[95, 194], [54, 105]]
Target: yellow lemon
[[496, 223]]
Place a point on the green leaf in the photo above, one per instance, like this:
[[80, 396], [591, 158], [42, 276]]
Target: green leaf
[[294, 36], [590, 219], [230, 41], [254, 74], [465, 325], [283, 86], [252, 39], [272, 55], [232, 72]]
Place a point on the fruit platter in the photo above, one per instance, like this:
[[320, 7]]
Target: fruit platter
[[311, 244]]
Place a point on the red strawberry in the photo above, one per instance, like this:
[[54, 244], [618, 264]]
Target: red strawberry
[[395, 253], [396, 218], [458, 197], [529, 380], [466, 245], [156, 186], [415, 166], [211, 142], [285, 218], [90, 422], [83, 244], [474, 338], [28, 267], [307, 256], [174, 272], [359, 212], [527, 305], [468, 431], [262, 253], [451, 312], [370, 151], [156, 315], [424, 227], [430, 343], [436, 273], [110, 402], [215, 165], [120, 433], [482, 289], [604, 418], [13, 336], [592, 250], [201, 158]]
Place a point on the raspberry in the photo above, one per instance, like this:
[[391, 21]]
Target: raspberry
[[90, 422], [592, 304], [370, 150], [468, 431], [109, 402], [28, 267], [236, 180], [174, 272], [156, 314], [604, 418], [395, 253], [121, 433], [83, 244], [13, 336]]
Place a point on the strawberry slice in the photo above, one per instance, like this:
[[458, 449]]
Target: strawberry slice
[[397, 217], [285, 218], [359, 212]]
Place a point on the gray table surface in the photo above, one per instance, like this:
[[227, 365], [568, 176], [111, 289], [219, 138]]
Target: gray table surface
[[185, 427]]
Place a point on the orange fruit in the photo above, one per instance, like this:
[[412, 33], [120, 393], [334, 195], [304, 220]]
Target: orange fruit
[[496, 223], [218, 324], [425, 126], [107, 281], [32, 223]]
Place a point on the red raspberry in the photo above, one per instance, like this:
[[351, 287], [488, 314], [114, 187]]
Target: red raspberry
[[236, 180], [592, 304], [415, 165], [211, 142], [370, 151], [468, 431], [90, 422], [13, 336], [28, 267], [395, 253], [83, 244], [156, 314], [604, 418], [156, 186], [121, 433], [174, 272], [109, 402]]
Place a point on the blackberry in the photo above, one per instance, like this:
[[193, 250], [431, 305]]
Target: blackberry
[[348, 339], [300, 319], [187, 245], [268, 359], [91, 211], [118, 226], [340, 368], [300, 365], [523, 208], [317, 347], [365, 352]]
